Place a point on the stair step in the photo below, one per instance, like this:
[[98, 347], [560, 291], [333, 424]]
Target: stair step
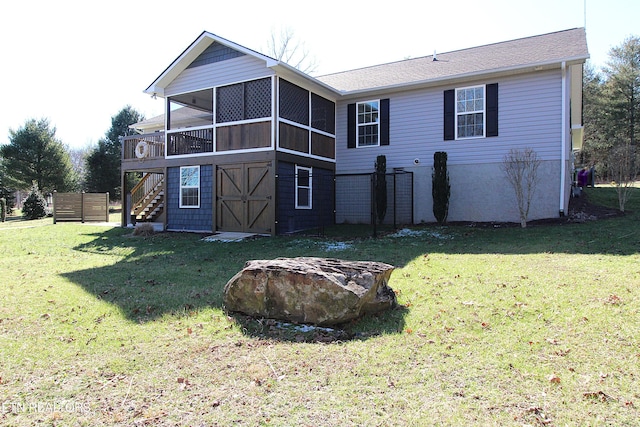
[[151, 203]]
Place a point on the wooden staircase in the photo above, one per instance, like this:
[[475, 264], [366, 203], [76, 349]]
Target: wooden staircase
[[147, 197]]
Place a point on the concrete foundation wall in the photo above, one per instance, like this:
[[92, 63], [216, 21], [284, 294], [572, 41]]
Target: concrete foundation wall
[[482, 193]]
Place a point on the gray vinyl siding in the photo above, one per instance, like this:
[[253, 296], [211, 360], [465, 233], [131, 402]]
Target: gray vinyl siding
[[219, 73], [529, 116]]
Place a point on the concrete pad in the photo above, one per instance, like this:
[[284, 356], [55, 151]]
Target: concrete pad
[[228, 236]]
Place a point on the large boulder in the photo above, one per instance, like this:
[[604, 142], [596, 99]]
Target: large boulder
[[319, 291]]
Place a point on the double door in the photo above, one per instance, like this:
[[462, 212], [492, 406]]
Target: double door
[[245, 197]]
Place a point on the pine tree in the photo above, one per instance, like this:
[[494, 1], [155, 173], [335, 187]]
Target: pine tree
[[622, 90], [35, 206], [35, 154], [103, 163]]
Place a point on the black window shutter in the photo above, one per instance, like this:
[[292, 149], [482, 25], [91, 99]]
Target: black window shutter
[[449, 114], [384, 121], [351, 126], [492, 110]]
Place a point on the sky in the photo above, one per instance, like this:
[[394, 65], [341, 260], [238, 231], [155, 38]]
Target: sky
[[78, 63]]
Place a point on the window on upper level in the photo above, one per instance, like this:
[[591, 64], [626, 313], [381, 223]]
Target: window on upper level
[[470, 112], [190, 187], [368, 123]]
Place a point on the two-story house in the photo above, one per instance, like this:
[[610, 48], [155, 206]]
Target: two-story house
[[248, 143]]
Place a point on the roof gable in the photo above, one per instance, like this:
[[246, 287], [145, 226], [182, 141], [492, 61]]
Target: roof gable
[[531, 52], [206, 49], [216, 52]]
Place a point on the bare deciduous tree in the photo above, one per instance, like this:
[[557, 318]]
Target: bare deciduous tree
[[284, 47], [78, 158], [624, 166], [521, 168]]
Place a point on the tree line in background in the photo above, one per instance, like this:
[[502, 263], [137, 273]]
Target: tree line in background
[[37, 161], [611, 99], [612, 103]]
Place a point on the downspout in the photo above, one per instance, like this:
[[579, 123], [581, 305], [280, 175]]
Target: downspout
[[563, 138]]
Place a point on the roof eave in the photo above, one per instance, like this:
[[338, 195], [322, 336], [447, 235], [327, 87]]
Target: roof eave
[[440, 81], [283, 69]]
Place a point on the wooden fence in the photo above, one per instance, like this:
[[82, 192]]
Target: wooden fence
[[80, 207]]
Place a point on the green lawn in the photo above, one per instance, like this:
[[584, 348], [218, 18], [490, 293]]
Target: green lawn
[[497, 326]]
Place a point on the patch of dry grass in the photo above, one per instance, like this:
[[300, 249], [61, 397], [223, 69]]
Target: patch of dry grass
[[144, 229]]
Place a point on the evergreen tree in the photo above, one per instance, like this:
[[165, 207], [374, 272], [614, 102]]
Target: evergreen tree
[[35, 206], [381, 188], [440, 189], [596, 142], [612, 107], [103, 163], [34, 154], [5, 192], [622, 90]]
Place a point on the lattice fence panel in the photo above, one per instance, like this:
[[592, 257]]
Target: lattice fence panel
[[257, 99], [230, 105]]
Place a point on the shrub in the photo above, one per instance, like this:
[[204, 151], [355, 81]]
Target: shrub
[[3, 209], [381, 188], [624, 166], [521, 168], [144, 229], [440, 189], [35, 206]]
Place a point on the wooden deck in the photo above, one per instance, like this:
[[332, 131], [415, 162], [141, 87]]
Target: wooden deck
[[145, 146]]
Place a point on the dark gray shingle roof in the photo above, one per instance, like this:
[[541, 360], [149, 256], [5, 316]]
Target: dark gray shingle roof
[[530, 51]]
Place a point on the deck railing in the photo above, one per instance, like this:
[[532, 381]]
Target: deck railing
[[148, 185], [190, 142], [145, 146]]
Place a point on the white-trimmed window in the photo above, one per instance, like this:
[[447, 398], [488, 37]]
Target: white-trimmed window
[[190, 187], [470, 112], [304, 187], [368, 123]]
